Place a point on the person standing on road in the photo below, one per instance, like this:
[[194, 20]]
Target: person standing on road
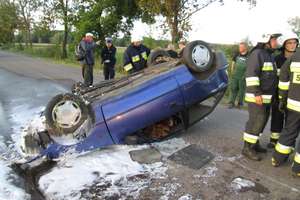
[[261, 80], [181, 46], [135, 56], [238, 69], [290, 43], [108, 59], [88, 45], [289, 102]]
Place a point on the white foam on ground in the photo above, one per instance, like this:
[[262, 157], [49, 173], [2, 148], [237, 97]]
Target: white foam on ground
[[186, 197], [7, 188], [21, 117], [239, 183], [113, 167]]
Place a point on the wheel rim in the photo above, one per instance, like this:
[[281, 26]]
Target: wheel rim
[[201, 56], [66, 114]]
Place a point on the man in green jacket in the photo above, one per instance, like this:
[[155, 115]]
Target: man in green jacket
[[238, 69]]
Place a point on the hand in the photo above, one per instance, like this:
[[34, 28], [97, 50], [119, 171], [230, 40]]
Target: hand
[[282, 106], [259, 100], [98, 42]]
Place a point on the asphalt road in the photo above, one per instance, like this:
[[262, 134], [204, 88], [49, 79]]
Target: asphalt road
[[220, 133]]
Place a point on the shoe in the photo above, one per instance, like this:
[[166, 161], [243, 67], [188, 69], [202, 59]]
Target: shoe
[[278, 159], [259, 149], [249, 152]]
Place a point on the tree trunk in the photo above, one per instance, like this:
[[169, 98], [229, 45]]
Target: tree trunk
[[66, 30]]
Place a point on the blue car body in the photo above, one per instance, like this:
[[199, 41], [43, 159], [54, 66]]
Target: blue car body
[[154, 98]]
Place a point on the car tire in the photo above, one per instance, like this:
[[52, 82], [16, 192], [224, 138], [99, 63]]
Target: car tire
[[53, 126], [198, 56], [152, 58]]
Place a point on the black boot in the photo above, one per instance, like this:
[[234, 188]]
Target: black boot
[[272, 143], [249, 152], [259, 149], [296, 169], [278, 158]]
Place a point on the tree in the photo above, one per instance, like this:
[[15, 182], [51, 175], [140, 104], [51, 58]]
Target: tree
[[8, 21], [178, 13], [295, 23], [26, 10], [108, 17]]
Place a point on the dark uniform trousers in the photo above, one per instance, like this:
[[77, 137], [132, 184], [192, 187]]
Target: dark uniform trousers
[[258, 118], [277, 120], [108, 72], [88, 74]]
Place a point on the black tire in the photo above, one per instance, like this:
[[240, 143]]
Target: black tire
[[205, 64], [152, 59], [52, 127]]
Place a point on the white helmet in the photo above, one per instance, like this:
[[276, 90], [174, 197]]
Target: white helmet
[[265, 38], [136, 38], [289, 36]]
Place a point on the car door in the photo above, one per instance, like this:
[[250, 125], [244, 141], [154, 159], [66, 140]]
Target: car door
[[144, 105]]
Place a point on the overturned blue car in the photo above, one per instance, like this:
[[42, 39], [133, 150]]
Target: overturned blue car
[[166, 98]]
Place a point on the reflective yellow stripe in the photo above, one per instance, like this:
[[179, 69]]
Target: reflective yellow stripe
[[284, 85], [275, 135], [283, 149], [249, 97], [252, 81], [250, 138], [293, 105], [135, 58], [278, 72], [295, 67], [144, 55], [297, 158], [279, 96], [128, 67], [268, 66]]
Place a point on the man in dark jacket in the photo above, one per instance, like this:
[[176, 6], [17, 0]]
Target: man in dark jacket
[[289, 95], [290, 43], [261, 83], [108, 59], [88, 46], [135, 56]]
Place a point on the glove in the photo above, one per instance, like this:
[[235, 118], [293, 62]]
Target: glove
[[282, 106]]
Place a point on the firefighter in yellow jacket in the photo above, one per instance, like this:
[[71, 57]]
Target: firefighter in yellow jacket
[[261, 83], [289, 95]]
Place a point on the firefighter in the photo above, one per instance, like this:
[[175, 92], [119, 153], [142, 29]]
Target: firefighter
[[261, 80], [135, 56], [290, 43], [289, 101], [238, 70], [108, 59]]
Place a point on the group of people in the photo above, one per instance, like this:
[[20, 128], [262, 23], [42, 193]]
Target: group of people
[[269, 81], [134, 59]]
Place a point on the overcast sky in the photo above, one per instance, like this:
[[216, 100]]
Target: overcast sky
[[234, 21]]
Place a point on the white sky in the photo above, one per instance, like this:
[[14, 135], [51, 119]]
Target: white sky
[[235, 21]]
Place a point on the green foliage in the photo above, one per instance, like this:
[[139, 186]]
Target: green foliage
[[8, 21], [152, 43]]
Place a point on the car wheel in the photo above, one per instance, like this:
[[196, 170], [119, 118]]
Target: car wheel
[[65, 113], [198, 56], [157, 57]]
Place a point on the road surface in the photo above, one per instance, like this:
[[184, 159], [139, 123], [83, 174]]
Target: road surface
[[220, 133]]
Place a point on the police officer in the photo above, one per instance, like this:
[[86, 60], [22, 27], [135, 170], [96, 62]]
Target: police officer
[[135, 56], [238, 70], [108, 59], [290, 43], [261, 79], [289, 95]]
